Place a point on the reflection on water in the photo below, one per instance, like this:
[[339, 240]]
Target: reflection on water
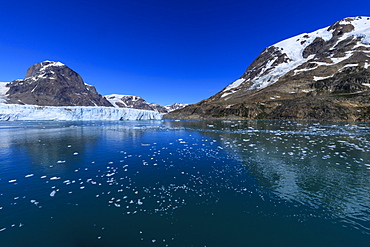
[[184, 183], [323, 165]]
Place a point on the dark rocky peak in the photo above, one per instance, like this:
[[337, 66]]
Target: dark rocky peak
[[53, 84]]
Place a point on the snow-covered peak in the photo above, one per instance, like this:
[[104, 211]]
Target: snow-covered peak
[[284, 56], [136, 102], [52, 63], [120, 100], [359, 22], [294, 46], [361, 27], [43, 69], [48, 64], [175, 106]]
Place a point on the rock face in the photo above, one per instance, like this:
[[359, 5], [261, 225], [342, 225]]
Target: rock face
[[53, 84], [323, 75], [136, 102]]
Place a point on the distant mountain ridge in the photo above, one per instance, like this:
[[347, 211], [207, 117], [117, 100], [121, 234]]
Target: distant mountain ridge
[[322, 75], [136, 102], [55, 84]]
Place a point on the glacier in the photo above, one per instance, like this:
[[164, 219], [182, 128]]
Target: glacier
[[13, 112]]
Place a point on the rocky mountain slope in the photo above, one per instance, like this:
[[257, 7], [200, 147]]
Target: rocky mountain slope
[[53, 84], [323, 75], [136, 102]]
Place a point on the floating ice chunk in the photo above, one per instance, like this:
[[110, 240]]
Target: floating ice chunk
[[29, 175], [12, 181], [55, 178], [61, 161], [75, 153], [3, 229], [53, 193]]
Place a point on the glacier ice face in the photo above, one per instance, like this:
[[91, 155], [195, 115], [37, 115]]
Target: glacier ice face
[[12, 112], [3, 90]]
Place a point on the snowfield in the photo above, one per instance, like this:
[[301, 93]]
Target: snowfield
[[12, 112]]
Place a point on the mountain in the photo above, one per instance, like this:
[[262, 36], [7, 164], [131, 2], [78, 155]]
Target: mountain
[[136, 102], [175, 106], [322, 75], [53, 84]]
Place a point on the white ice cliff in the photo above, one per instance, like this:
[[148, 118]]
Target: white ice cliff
[[12, 112]]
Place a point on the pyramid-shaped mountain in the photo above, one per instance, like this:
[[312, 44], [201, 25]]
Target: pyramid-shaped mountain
[[53, 84]]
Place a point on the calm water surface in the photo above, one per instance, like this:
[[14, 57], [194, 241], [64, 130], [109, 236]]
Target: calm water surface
[[184, 183]]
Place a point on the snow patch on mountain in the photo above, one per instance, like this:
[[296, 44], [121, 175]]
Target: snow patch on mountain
[[362, 28], [175, 106], [293, 48], [136, 102], [13, 112], [116, 100], [48, 63], [233, 85]]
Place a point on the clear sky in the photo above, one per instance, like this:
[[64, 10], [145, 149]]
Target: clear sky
[[165, 51]]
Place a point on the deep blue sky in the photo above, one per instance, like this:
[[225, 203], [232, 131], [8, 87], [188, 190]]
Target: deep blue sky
[[165, 51]]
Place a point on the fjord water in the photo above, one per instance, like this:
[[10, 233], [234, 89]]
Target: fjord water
[[184, 183]]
